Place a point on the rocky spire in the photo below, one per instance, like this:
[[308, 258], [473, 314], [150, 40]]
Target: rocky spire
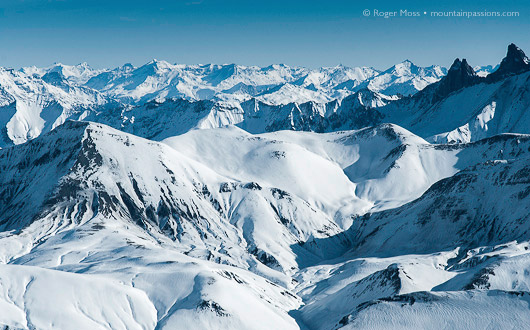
[[460, 75], [515, 62]]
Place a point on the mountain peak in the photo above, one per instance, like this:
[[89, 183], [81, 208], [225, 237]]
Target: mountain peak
[[276, 67], [516, 55], [456, 65], [461, 65], [407, 63], [157, 64], [460, 75], [83, 65], [405, 67], [515, 62]]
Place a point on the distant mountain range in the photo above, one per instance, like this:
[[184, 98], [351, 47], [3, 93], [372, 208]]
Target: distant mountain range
[[275, 84], [35, 100]]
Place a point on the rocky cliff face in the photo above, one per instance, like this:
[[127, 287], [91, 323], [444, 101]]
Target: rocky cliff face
[[460, 75]]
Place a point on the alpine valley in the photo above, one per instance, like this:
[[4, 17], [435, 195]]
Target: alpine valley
[[172, 196]]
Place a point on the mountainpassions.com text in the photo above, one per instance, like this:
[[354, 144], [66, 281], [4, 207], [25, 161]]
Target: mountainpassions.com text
[[453, 13]]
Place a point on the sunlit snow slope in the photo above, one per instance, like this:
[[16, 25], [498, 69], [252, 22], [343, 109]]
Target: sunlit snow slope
[[231, 197]]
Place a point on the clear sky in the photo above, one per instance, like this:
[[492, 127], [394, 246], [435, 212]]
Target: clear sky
[[108, 33]]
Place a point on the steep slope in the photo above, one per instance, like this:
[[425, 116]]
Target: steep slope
[[86, 170], [156, 120], [467, 232], [161, 119], [127, 212], [515, 62], [185, 193], [353, 112], [243, 216], [194, 231], [450, 215]]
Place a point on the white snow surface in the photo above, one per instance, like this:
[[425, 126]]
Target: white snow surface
[[223, 229], [172, 196]]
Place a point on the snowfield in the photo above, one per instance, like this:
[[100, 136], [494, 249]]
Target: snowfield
[[232, 197]]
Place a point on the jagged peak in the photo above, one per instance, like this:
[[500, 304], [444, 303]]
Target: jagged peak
[[514, 62], [401, 68], [456, 65], [516, 54], [459, 75], [461, 65]]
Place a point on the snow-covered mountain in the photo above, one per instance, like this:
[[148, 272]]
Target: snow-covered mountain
[[274, 84], [464, 107], [231, 197], [36, 100], [196, 199], [158, 100], [77, 74], [461, 107], [489, 220], [484, 70], [30, 105], [223, 196], [405, 78]]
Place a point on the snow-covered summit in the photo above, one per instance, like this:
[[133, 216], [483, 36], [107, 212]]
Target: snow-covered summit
[[405, 78], [78, 74]]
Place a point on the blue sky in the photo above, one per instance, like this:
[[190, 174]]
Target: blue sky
[[307, 33]]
